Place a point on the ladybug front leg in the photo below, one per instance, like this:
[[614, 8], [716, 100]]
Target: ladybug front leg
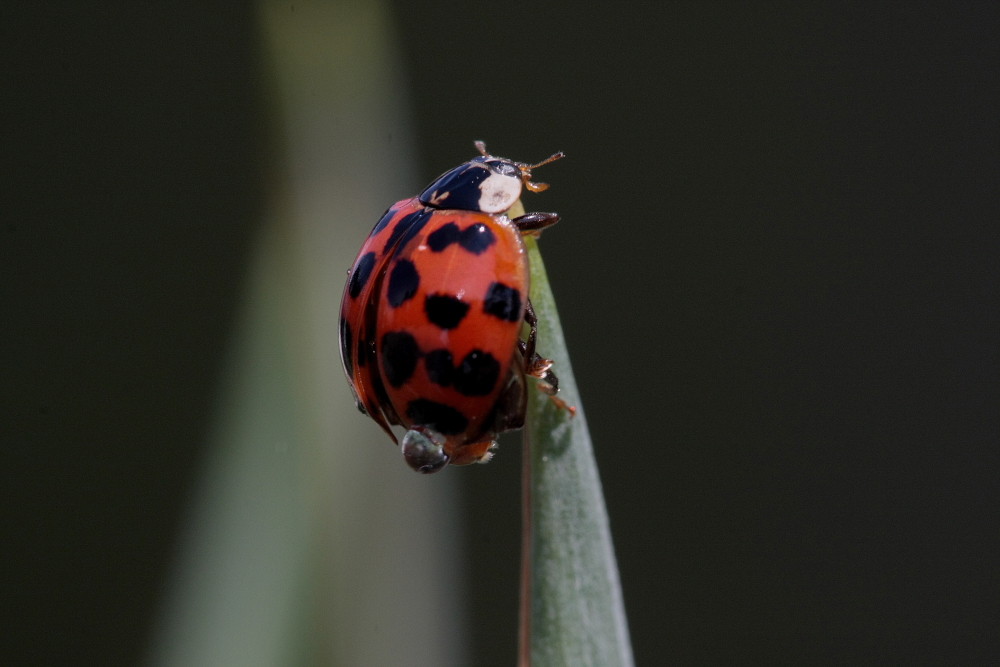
[[532, 224], [535, 365], [538, 367]]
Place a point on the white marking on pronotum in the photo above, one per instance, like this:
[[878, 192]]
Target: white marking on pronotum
[[499, 193]]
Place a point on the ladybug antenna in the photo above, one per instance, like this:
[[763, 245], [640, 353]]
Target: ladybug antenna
[[525, 168], [551, 158], [526, 172]]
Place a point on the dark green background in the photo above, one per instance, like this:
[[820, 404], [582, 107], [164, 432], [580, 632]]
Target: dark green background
[[777, 271]]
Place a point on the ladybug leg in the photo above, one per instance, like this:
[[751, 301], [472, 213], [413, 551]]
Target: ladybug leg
[[538, 367], [475, 452], [532, 224], [508, 415]]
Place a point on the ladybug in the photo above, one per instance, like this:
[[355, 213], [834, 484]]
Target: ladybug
[[431, 319]]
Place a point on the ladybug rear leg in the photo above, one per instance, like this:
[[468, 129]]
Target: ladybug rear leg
[[508, 414], [532, 224], [537, 366]]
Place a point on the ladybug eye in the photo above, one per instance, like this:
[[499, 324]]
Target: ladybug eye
[[423, 450]]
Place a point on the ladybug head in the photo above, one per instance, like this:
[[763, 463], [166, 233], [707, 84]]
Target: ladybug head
[[488, 184]]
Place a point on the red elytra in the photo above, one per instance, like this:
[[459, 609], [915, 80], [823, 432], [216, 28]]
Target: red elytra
[[432, 313]]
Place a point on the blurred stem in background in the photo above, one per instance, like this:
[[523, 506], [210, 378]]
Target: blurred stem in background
[[303, 547]]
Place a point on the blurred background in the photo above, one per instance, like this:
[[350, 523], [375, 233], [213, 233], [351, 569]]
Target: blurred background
[[777, 272]]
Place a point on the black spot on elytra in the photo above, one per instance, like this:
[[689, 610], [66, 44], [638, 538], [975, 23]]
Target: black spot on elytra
[[346, 346], [366, 336], [366, 343], [443, 236], [403, 282], [503, 302], [445, 311], [361, 273], [383, 221], [361, 354], [439, 367], [399, 357], [407, 227], [442, 418], [475, 238], [477, 375]]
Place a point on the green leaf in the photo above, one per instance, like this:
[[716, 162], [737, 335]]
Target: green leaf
[[577, 616]]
